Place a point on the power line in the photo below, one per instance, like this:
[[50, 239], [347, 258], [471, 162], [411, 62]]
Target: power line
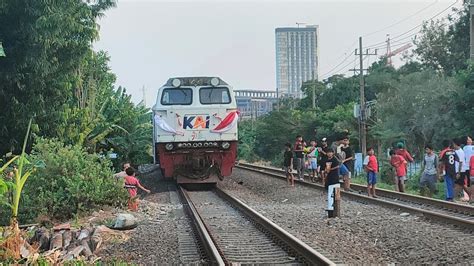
[[416, 27], [402, 20], [342, 62], [395, 39]]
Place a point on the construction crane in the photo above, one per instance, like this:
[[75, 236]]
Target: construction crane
[[391, 53]]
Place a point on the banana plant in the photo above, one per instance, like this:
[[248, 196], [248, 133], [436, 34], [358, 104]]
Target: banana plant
[[21, 174]]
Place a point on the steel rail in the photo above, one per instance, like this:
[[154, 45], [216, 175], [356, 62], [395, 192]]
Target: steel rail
[[208, 243], [308, 254], [466, 209]]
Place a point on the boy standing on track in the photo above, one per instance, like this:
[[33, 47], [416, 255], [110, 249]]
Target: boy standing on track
[[348, 162], [323, 158], [299, 157], [399, 163], [288, 164], [430, 173], [448, 157], [132, 184], [332, 182], [371, 167], [313, 160]]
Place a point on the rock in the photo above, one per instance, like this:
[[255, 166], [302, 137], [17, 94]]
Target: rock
[[43, 238], [285, 200], [124, 221], [25, 250], [96, 240], [59, 227], [67, 238], [404, 214], [74, 253], [86, 251], [84, 233], [56, 240]]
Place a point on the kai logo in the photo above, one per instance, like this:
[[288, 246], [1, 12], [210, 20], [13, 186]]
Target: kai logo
[[196, 122]]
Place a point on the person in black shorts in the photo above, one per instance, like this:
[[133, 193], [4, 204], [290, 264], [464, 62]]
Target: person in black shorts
[[348, 162], [332, 179], [323, 158], [288, 164]]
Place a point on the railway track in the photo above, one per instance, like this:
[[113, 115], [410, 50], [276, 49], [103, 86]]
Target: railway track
[[232, 233], [437, 210]]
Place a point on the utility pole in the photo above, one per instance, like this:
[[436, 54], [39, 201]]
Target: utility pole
[[314, 94], [363, 113]]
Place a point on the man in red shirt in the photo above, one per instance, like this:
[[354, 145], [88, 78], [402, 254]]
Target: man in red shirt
[[132, 184], [399, 163]]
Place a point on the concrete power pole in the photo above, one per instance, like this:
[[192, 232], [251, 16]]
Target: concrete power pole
[[362, 117]]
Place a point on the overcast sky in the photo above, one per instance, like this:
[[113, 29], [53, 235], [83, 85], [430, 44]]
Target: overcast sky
[[150, 41]]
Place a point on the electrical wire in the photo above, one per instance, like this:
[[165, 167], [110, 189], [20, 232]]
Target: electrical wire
[[342, 62], [393, 41], [402, 20], [414, 28]]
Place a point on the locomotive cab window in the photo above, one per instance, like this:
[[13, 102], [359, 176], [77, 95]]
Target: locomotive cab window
[[179, 96], [214, 95]]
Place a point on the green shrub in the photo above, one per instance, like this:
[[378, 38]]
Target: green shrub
[[73, 181]]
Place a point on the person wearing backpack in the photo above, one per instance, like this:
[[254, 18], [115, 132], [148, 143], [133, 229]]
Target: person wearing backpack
[[430, 173]]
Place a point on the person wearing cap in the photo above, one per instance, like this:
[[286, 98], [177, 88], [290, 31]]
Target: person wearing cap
[[332, 180]]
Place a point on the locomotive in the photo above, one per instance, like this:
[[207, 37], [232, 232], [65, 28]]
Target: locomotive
[[195, 129]]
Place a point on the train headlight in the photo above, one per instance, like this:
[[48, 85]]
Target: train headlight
[[176, 83], [169, 146], [214, 82], [225, 145]]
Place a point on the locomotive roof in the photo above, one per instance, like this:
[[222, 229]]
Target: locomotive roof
[[195, 81]]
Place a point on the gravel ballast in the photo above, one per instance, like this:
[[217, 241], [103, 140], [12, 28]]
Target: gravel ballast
[[162, 232], [365, 233]]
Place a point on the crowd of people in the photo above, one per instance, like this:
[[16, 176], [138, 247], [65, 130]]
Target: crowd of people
[[333, 165], [325, 163]]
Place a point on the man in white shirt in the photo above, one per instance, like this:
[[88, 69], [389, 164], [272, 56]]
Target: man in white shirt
[[462, 170]]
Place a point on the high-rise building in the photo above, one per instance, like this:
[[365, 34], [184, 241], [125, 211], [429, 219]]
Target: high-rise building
[[297, 58]]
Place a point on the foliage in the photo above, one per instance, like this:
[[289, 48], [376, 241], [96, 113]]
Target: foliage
[[21, 175], [464, 110], [247, 138], [419, 108], [444, 44], [74, 181], [46, 42], [133, 130]]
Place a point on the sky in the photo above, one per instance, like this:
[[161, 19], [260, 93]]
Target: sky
[[151, 41]]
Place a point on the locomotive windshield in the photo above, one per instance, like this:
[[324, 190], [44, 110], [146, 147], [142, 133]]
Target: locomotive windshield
[[214, 95], [181, 96]]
